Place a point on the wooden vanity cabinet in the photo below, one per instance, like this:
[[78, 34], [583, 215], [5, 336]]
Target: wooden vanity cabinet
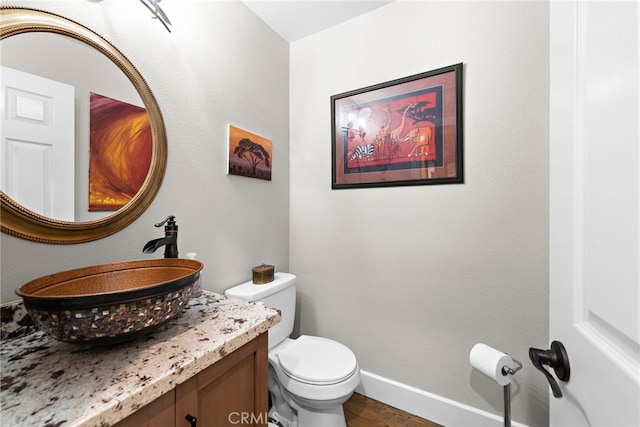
[[159, 413], [231, 392]]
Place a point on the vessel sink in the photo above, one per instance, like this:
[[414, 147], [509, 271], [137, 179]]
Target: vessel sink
[[111, 303]]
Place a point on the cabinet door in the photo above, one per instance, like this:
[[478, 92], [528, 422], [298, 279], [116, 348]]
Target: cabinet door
[[231, 392], [159, 413]]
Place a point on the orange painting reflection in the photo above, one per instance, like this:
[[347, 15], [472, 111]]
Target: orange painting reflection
[[120, 152]]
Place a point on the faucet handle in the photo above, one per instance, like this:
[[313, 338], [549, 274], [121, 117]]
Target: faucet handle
[[170, 221]]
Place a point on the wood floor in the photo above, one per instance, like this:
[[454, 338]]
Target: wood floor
[[361, 411]]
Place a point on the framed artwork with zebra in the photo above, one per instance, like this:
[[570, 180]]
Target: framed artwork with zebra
[[402, 132]]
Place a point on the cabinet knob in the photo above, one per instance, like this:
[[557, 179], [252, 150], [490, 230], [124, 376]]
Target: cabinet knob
[[193, 420]]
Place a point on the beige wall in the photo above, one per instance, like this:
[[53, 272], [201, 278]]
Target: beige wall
[[411, 278], [219, 65]]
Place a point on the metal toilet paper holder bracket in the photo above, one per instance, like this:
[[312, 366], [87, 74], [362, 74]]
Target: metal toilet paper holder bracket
[[509, 370]]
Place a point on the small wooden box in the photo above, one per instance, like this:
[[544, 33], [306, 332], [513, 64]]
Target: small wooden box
[[263, 274]]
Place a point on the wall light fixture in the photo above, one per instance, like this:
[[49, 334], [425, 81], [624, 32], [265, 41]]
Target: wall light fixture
[[157, 12]]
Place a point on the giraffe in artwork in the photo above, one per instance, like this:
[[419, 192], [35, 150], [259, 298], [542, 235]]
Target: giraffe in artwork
[[396, 134], [382, 137]]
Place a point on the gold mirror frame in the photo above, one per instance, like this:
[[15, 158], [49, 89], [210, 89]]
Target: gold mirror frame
[[23, 223]]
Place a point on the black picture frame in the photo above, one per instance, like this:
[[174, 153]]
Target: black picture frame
[[407, 131]]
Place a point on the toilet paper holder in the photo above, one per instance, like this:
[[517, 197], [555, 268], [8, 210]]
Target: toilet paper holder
[[498, 366]]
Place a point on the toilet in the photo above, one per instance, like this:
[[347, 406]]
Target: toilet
[[309, 377]]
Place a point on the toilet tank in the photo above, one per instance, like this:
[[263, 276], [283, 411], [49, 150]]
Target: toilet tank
[[279, 294]]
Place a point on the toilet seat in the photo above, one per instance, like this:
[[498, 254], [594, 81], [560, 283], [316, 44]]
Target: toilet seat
[[317, 361]]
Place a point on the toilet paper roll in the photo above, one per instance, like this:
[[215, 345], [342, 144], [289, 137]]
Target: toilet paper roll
[[490, 362]]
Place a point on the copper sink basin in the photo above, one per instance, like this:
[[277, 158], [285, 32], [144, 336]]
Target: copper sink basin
[[111, 303]]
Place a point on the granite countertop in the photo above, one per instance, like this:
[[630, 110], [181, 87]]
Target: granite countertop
[[50, 383]]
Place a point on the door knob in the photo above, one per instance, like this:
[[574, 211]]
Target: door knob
[[556, 358]]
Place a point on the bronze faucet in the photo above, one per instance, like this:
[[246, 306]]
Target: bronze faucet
[[169, 241]]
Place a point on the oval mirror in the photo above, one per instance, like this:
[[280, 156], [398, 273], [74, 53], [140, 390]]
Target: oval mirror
[[110, 183]]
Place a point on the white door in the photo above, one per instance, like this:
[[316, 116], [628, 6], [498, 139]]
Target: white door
[[37, 143], [595, 210]]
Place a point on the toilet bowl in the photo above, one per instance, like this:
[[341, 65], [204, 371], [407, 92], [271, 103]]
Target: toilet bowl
[[309, 377], [318, 375]]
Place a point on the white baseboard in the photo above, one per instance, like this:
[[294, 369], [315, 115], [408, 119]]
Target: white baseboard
[[426, 405]]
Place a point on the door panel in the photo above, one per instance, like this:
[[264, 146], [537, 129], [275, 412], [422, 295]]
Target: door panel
[[28, 169], [595, 210]]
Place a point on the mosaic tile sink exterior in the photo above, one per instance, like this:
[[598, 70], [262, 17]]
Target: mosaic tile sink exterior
[[112, 324]]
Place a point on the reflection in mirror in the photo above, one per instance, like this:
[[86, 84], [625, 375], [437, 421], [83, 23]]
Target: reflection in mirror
[[108, 101], [50, 61]]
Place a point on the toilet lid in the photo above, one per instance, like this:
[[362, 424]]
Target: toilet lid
[[316, 360]]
